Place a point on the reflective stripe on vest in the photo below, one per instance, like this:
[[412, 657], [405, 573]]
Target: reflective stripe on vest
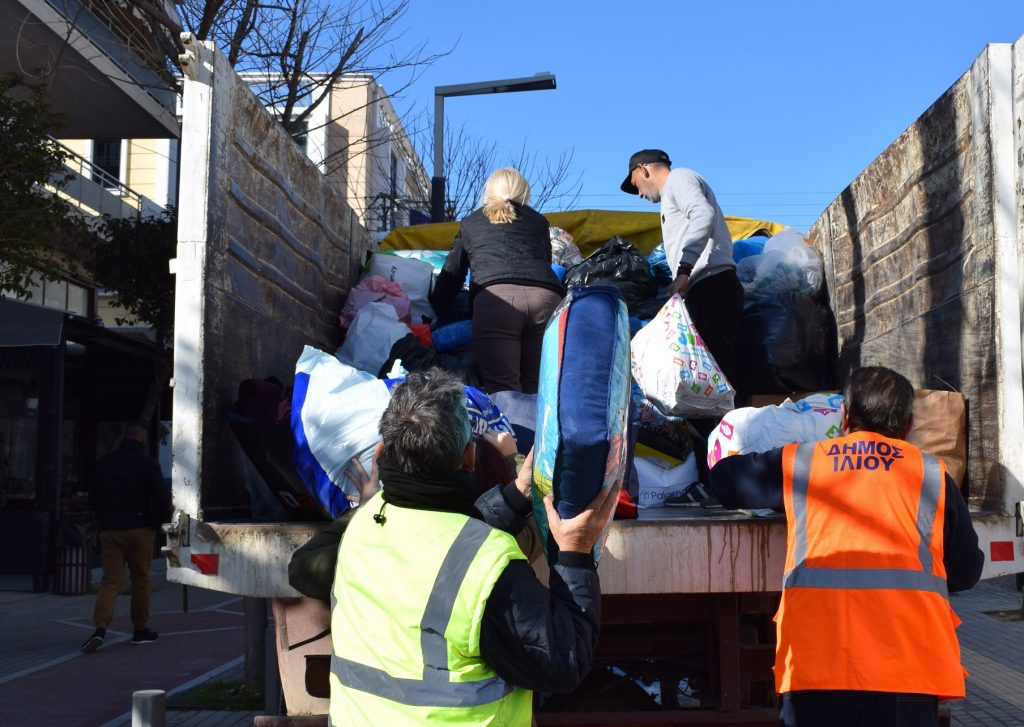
[[805, 576], [434, 689]]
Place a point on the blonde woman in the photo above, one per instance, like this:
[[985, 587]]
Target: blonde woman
[[512, 290]]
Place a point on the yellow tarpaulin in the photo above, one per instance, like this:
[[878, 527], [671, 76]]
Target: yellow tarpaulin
[[589, 229]]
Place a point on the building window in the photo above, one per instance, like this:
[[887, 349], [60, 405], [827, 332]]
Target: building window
[[393, 191], [78, 300], [106, 157], [301, 136], [55, 294], [62, 295]]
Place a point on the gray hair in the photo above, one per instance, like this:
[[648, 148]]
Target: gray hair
[[425, 429]]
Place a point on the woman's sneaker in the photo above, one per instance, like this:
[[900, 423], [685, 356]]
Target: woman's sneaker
[[144, 636], [94, 642]]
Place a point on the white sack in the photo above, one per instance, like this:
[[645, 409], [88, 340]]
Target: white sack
[[413, 275], [373, 332], [658, 483]]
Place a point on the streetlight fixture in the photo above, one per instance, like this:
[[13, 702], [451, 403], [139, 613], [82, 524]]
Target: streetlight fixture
[[536, 82]]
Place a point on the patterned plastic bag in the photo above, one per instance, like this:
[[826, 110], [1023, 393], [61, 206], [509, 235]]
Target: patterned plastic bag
[[674, 368]]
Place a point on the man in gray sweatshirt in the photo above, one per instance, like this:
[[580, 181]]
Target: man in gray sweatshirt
[[698, 247]]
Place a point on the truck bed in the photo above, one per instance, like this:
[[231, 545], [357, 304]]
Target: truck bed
[[667, 550]]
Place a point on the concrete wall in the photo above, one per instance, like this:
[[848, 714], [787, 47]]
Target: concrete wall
[[267, 251], [922, 259]]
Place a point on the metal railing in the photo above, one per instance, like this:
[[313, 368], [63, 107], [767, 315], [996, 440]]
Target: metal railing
[[77, 163], [123, 201]]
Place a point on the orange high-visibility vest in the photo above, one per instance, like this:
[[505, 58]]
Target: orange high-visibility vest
[[864, 601]]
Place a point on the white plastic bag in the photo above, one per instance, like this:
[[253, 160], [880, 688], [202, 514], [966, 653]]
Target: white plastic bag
[[413, 275], [369, 340], [563, 250], [658, 483], [758, 429], [335, 413], [674, 368], [788, 263]]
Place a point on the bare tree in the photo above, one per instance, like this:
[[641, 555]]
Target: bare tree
[[469, 160], [296, 50], [552, 182]]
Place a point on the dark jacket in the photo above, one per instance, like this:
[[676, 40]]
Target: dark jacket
[[512, 252], [755, 481], [129, 491], [534, 637]]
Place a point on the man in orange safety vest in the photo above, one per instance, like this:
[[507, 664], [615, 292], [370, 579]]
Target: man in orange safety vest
[[878, 535]]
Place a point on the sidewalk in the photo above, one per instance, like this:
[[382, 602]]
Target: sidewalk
[[45, 680], [992, 654]]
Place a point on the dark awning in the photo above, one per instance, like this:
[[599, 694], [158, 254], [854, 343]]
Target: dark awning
[[22, 324]]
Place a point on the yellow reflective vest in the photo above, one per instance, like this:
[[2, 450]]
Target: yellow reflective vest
[[407, 606]]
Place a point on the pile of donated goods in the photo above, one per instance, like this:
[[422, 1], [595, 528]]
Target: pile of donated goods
[[608, 407]]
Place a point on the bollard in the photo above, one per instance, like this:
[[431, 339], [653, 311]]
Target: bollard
[[149, 708]]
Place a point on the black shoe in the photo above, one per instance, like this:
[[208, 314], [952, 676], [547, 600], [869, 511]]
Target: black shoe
[[94, 642], [711, 502], [144, 636], [692, 496]]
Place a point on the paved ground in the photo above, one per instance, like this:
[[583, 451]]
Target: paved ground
[[45, 680], [993, 653]]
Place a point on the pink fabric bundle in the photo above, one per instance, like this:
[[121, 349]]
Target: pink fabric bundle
[[374, 289]]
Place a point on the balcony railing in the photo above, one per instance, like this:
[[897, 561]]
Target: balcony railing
[[94, 191]]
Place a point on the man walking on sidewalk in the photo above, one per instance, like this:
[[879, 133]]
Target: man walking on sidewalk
[[131, 502]]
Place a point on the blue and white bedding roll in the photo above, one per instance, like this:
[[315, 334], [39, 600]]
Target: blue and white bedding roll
[[582, 403]]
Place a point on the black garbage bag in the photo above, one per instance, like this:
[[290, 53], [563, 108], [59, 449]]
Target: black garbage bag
[[412, 353], [620, 264], [785, 344]]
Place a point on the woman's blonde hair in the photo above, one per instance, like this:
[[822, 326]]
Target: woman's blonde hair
[[503, 188]]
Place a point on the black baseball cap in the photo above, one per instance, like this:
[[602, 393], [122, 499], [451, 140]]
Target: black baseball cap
[[644, 156]]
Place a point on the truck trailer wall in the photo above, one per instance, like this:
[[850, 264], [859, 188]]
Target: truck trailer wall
[[266, 252], [922, 261]]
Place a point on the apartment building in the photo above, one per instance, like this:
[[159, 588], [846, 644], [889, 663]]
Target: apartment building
[[68, 383]]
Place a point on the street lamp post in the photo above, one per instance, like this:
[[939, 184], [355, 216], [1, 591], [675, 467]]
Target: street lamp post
[[537, 82]]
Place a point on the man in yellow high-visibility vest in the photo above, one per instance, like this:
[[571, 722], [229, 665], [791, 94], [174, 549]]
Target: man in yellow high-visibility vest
[[436, 615]]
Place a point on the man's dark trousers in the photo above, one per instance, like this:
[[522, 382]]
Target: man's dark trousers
[[842, 708], [716, 305]]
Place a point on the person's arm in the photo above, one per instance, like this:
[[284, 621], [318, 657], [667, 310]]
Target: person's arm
[[311, 568], [450, 279], [538, 638], [544, 638], [691, 223], [961, 556], [748, 480]]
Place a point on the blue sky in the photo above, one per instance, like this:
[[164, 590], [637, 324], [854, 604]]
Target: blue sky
[[778, 105]]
